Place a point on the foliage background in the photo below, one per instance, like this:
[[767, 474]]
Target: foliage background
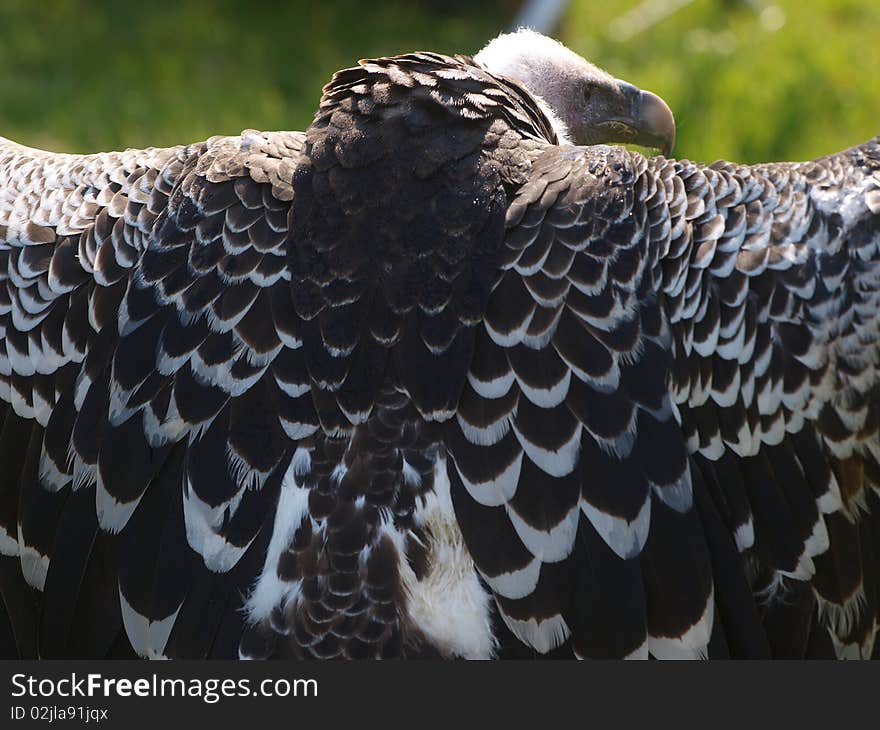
[[749, 80]]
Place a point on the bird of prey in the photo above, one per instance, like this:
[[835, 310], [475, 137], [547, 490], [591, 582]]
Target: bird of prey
[[443, 376]]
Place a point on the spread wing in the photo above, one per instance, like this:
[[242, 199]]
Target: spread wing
[[146, 412], [667, 443]]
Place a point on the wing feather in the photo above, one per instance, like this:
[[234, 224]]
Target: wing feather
[[707, 331]]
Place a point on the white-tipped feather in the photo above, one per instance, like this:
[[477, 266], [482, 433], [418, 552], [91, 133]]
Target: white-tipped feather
[[34, 565], [8, 544], [113, 515], [557, 463], [498, 491], [552, 545], [625, 537], [202, 522], [492, 388], [542, 636], [692, 644], [148, 638]]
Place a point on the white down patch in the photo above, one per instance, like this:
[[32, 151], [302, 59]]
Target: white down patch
[[449, 605]]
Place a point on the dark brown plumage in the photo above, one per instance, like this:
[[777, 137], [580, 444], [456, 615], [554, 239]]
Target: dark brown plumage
[[326, 394]]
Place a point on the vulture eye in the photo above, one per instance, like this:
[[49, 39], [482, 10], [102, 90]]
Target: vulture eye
[[588, 91]]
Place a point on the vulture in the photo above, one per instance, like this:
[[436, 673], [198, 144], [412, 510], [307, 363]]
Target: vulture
[[446, 375]]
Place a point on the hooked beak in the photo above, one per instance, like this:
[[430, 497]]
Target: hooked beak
[[646, 120]]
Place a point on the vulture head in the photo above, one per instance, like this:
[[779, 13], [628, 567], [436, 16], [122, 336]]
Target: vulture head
[[585, 104]]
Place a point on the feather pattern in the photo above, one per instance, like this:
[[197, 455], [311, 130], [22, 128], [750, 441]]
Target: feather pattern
[[299, 394]]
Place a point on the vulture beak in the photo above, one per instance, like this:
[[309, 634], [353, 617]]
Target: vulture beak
[[645, 120]]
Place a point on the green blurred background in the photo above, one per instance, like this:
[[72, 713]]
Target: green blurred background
[[749, 80]]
